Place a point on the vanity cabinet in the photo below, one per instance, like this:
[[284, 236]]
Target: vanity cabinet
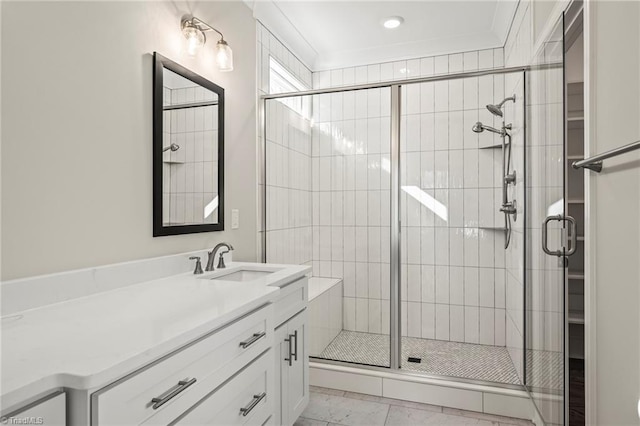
[[218, 374], [199, 350], [48, 411], [244, 400], [291, 350]]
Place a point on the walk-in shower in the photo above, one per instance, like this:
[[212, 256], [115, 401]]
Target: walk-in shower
[[403, 214]]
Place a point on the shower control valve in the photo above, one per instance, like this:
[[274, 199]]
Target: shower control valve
[[510, 178], [510, 208]]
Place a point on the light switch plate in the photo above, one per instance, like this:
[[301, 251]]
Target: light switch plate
[[235, 219]]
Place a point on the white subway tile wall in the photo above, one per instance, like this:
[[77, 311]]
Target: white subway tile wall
[[288, 161], [190, 174], [452, 240], [351, 181], [453, 276], [288, 187]]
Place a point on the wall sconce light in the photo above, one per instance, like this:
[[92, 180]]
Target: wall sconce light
[[193, 30]]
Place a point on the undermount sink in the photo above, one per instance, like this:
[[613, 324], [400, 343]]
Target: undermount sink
[[243, 275]]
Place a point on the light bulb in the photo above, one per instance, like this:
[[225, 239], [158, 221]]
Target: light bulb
[[195, 38], [392, 22], [224, 56]]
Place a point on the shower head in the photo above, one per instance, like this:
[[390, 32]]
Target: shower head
[[173, 147], [479, 128], [497, 109]]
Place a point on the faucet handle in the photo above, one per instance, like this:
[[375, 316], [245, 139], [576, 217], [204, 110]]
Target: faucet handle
[[221, 264], [198, 269]]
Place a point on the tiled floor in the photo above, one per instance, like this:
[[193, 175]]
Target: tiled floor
[[329, 407], [454, 359], [545, 370]]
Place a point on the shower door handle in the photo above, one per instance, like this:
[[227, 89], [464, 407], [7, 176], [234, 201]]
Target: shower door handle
[[572, 235]]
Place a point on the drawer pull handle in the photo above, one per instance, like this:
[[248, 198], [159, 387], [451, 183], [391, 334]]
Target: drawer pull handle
[[289, 359], [256, 400], [251, 340], [168, 395]]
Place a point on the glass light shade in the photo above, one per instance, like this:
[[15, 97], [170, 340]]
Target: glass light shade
[[224, 56], [195, 39]]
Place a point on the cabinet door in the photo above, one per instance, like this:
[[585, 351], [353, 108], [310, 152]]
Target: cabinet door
[[50, 412], [298, 373], [280, 374]]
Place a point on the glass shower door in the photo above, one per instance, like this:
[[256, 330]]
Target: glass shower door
[[455, 278], [328, 205], [547, 223]]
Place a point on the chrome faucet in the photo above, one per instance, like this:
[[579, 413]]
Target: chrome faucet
[[212, 256]]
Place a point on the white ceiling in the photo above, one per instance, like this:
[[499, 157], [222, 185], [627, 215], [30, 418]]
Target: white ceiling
[[339, 33]]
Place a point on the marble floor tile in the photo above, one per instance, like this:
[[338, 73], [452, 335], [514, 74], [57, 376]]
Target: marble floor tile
[[345, 411], [403, 416], [329, 407], [489, 417], [309, 422]]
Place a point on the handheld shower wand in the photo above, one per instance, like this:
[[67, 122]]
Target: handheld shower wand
[[173, 147], [479, 128]]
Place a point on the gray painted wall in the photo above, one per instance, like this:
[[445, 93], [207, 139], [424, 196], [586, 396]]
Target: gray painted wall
[[77, 134], [612, 208]]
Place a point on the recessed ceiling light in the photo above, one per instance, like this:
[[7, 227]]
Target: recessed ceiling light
[[392, 22]]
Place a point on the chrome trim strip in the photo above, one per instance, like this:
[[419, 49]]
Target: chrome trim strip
[[394, 299], [263, 173], [443, 77]]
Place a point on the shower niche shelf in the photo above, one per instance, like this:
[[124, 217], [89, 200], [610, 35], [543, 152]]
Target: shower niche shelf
[[492, 228], [172, 162], [498, 145]]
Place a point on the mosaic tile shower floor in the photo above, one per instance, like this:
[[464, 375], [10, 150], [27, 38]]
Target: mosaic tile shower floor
[[453, 359]]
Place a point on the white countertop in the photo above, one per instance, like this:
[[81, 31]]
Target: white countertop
[[91, 341]]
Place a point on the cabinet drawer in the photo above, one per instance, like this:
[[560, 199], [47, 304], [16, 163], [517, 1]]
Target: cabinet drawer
[[293, 299], [246, 399], [167, 388]]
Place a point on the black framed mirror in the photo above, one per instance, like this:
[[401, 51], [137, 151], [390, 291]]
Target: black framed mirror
[[188, 151]]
